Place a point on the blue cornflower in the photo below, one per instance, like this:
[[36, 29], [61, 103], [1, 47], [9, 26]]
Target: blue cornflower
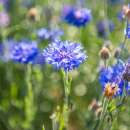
[[128, 30], [113, 75], [39, 59], [76, 16], [24, 51], [49, 34], [64, 55], [111, 26], [1, 51], [120, 16], [4, 2], [6, 49], [102, 27]]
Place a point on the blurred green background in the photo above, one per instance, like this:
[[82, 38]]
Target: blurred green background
[[23, 109]]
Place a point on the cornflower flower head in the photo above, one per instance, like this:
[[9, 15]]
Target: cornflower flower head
[[76, 16], [102, 27], [110, 90], [4, 2], [24, 51], [1, 51], [39, 59], [64, 55], [112, 75], [49, 34], [120, 16], [111, 26]]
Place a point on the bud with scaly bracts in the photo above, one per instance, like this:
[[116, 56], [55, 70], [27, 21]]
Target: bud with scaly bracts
[[33, 14], [104, 53], [126, 11]]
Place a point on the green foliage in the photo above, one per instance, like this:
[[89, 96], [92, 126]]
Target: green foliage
[[30, 94]]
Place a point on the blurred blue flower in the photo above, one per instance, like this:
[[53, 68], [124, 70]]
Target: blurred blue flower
[[128, 88], [4, 2], [64, 55], [120, 16], [126, 76], [113, 74], [1, 51], [39, 59], [102, 27], [5, 49], [128, 30], [111, 26], [24, 51], [76, 16], [49, 34]]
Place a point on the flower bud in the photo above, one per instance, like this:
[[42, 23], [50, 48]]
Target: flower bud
[[108, 44], [104, 53], [33, 14], [126, 11], [117, 52]]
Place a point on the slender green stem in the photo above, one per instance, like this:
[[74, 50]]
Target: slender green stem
[[29, 99], [124, 41], [65, 114], [43, 128], [125, 37], [103, 108], [54, 124], [67, 84], [66, 87], [106, 16], [105, 9], [103, 114], [105, 64], [62, 122], [122, 99]]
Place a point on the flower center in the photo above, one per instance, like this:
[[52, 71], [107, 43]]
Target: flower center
[[78, 14]]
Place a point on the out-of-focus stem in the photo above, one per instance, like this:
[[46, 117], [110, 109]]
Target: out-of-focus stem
[[103, 113], [65, 114], [105, 64], [66, 89], [29, 99]]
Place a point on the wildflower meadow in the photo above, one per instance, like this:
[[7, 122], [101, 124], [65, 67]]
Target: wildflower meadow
[[64, 65]]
